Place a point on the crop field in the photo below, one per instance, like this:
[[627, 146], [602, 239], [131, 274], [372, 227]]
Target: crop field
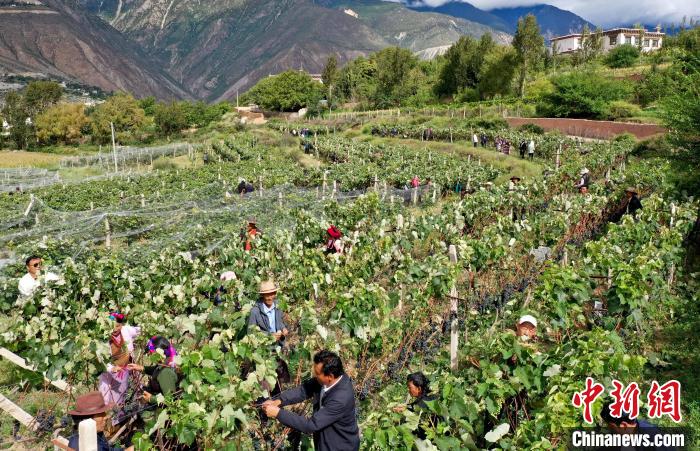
[[422, 266]]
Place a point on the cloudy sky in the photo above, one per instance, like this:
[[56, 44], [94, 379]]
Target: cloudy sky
[[605, 12]]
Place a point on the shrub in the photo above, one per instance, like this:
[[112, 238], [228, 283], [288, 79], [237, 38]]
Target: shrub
[[619, 109], [531, 128], [625, 138], [489, 123], [582, 95], [164, 164], [622, 56]]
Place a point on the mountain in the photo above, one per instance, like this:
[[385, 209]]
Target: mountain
[[53, 38], [466, 11], [552, 20], [220, 47]]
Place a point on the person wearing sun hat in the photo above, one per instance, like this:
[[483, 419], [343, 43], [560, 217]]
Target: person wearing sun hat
[[632, 202], [266, 315], [334, 244], [92, 406]]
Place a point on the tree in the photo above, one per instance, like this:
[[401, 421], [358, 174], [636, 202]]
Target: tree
[[591, 44], [330, 75], [528, 44], [582, 95], [148, 105], [170, 118], [122, 110], [63, 123], [288, 91], [356, 80], [39, 95], [394, 65], [16, 113], [497, 72], [462, 66], [625, 55]]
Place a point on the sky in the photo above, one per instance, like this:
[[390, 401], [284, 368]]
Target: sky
[[604, 12]]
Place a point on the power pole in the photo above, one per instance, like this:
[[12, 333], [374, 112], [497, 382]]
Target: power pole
[[114, 147]]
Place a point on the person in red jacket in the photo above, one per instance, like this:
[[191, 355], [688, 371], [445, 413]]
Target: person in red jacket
[[334, 244]]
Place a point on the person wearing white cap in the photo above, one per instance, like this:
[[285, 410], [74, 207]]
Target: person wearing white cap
[[526, 329], [584, 181]]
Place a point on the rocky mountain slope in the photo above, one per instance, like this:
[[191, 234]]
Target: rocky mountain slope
[[53, 38], [219, 47]]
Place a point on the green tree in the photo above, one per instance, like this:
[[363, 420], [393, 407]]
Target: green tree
[[529, 48], [288, 91], [625, 55], [148, 105], [63, 123], [16, 113], [394, 66], [122, 110], [170, 118], [591, 44], [582, 95], [39, 95], [356, 81], [462, 65], [497, 72], [330, 75]]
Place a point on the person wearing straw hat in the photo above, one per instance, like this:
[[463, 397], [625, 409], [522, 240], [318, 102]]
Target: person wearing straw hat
[[265, 314], [584, 182], [632, 202], [92, 406]]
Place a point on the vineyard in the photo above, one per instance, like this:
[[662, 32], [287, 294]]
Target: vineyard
[[422, 265]]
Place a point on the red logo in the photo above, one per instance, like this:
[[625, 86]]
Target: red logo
[[626, 400], [588, 397], [665, 400], [662, 399]]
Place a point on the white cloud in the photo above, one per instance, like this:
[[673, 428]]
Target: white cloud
[[603, 12]]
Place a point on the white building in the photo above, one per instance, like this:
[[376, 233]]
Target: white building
[[650, 40]]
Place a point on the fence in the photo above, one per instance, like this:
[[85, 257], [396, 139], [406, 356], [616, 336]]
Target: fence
[[124, 156]]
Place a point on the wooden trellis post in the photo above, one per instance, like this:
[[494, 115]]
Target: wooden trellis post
[[143, 201], [31, 204], [399, 219], [558, 161], [108, 235], [454, 332]]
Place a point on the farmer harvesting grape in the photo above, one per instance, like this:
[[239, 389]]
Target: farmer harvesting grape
[[114, 383], [584, 182], [91, 406], [265, 314], [334, 245], [333, 423], [419, 388], [249, 235], [162, 377], [526, 329], [33, 279]]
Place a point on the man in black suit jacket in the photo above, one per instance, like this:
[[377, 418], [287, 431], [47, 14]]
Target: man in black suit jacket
[[333, 423]]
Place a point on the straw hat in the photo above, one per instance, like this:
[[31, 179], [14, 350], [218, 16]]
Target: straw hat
[[631, 190], [584, 171], [515, 177], [267, 286], [528, 319], [90, 404], [252, 220]]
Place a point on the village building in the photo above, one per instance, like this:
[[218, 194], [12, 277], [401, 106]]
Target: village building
[[647, 40]]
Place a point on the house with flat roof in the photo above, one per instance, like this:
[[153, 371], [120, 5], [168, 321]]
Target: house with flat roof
[[648, 40]]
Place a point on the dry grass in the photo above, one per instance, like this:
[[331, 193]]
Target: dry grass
[[15, 159]]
